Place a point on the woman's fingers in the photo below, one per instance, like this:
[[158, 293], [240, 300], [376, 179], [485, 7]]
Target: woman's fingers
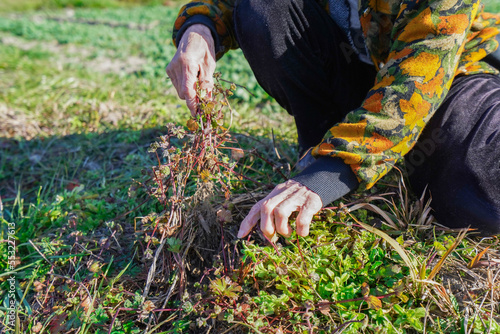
[[206, 74], [183, 76], [281, 215], [194, 61], [189, 91], [276, 198], [275, 210], [255, 213], [250, 221], [311, 206]]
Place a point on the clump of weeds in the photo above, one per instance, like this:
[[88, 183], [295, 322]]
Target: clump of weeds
[[195, 171]]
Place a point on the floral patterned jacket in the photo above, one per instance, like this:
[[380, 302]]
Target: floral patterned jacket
[[417, 46]]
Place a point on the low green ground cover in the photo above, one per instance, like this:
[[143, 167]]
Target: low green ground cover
[[27, 5], [492, 6], [82, 97]]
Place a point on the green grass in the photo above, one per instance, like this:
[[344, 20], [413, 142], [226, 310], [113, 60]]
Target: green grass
[[30, 5], [492, 6], [81, 103]]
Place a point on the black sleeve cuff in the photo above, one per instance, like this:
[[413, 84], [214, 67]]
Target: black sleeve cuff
[[200, 19], [328, 177]]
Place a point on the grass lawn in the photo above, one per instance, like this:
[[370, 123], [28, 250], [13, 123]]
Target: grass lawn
[[104, 243], [492, 6]]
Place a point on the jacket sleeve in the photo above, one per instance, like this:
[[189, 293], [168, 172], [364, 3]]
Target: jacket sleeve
[[428, 38], [481, 42], [217, 14]]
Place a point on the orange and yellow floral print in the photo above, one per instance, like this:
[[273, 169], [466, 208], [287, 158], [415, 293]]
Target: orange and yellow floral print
[[179, 22], [325, 149], [198, 11], [414, 66], [405, 145], [374, 103], [377, 143], [396, 55], [453, 24], [432, 86], [382, 6], [385, 82], [418, 28], [414, 109], [348, 157], [351, 131]]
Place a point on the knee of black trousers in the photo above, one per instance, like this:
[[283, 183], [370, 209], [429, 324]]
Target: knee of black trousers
[[254, 23], [250, 21], [456, 201], [456, 159], [467, 209], [259, 26]]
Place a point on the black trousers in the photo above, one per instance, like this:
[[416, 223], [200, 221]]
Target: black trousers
[[302, 59]]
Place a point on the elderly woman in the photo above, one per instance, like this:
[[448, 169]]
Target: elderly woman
[[368, 83]]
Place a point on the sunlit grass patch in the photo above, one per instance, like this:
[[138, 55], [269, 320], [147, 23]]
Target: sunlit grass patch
[[492, 6], [30, 5]]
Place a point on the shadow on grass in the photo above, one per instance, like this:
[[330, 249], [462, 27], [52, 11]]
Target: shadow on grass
[[56, 163], [105, 164]]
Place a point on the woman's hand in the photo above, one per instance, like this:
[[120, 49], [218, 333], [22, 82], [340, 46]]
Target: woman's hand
[[274, 210], [194, 60]]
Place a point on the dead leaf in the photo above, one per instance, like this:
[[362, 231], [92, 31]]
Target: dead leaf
[[38, 286], [374, 302], [365, 289], [56, 324], [324, 307], [38, 327], [281, 270], [224, 216], [73, 184], [86, 303], [478, 257], [192, 125], [237, 153]]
